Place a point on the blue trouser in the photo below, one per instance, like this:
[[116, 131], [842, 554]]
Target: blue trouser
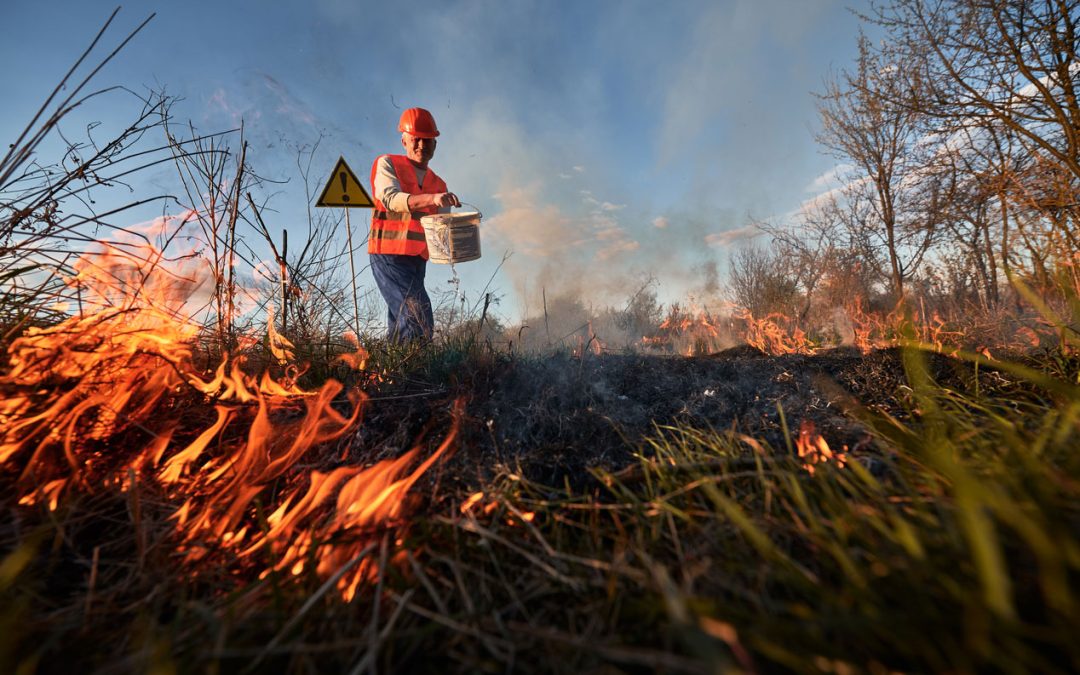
[[408, 308]]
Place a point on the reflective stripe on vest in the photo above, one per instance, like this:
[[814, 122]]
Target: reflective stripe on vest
[[383, 234], [401, 233], [394, 215]]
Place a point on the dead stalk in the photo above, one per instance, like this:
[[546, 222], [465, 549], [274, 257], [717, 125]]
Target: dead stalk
[[368, 661], [92, 583], [497, 646], [418, 570], [471, 525], [376, 603], [135, 508], [295, 620]]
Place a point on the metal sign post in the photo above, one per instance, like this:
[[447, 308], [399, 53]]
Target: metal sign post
[[352, 273], [343, 189]]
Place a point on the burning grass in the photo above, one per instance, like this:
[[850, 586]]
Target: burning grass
[[774, 506], [112, 400], [840, 512]]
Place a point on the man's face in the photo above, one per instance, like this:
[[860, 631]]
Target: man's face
[[419, 150]]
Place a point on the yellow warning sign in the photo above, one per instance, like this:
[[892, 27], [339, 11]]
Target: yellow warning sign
[[343, 189]]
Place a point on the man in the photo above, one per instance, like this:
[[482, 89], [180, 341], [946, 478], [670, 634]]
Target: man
[[404, 189]]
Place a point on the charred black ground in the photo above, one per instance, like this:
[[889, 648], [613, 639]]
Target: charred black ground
[[552, 417]]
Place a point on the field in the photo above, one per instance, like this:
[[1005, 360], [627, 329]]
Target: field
[[893, 510], [855, 453]]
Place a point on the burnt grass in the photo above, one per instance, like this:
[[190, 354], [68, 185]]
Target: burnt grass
[[552, 418]]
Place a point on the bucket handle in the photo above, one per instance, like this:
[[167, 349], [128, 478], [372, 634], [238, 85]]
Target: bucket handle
[[474, 206]]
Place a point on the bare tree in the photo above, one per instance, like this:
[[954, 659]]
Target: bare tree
[[828, 265], [762, 282], [1000, 77], [1014, 61], [863, 126], [971, 226]]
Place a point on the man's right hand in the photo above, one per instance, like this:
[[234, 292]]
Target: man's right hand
[[447, 199]]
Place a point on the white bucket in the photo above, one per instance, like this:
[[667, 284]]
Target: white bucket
[[452, 237]]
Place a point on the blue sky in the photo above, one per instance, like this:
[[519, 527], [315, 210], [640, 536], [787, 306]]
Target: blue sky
[[603, 140]]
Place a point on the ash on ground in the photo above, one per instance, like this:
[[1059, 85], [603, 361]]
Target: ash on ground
[[553, 417]]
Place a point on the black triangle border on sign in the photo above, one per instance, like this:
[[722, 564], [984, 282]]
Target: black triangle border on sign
[[338, 167]]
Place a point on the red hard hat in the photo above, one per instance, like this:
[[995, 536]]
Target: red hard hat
[[419, 123]]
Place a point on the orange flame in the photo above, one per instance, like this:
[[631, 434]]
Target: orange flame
[[768, 334], [871, 330], [592, 343], [367, 499], [467, 508], [690, 333], [81, 398], [813, 449]]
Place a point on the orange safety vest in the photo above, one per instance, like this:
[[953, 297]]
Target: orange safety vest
[[401, 233]]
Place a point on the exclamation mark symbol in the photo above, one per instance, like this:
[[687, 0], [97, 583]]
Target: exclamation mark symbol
[[344, 190]]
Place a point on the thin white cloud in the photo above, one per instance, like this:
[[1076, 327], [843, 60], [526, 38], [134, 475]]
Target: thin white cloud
[[611, 233], [588, 199], [660, 222], [617, 248], [826, 198], [600, 221], [828, 179], [729, 237]]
